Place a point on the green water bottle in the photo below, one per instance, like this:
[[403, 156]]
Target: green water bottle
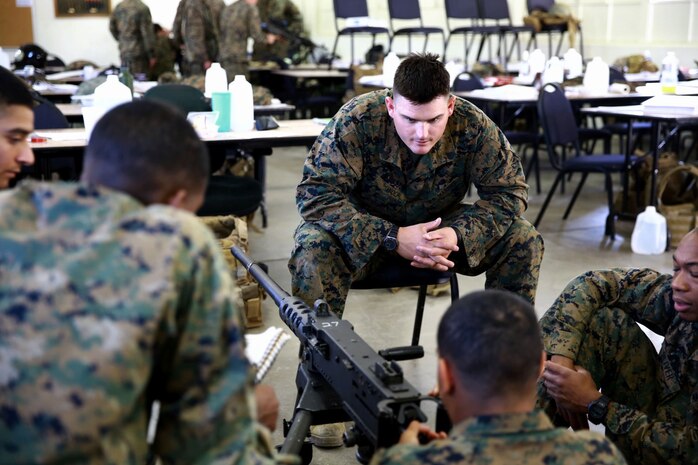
[[125, 76]]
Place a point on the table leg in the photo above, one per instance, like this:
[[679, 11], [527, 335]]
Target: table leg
[[654, 143], [260, 175]]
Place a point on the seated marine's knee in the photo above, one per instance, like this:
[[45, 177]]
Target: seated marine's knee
[[522, 231], [313, 236]]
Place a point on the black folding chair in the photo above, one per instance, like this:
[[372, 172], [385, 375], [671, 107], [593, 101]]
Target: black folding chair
[[550, 29], [463, 18], [524, 140], [344, 9], [498, 12], [399, 273], [408, 10], [562, 138]]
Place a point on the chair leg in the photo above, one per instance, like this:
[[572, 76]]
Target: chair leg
[[334, 50], [455, 294], [533, 163], [547, 198], [419, 314], [610, 229], [573, 200]]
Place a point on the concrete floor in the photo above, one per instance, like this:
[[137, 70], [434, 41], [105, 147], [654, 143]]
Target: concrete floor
[[384, 319]]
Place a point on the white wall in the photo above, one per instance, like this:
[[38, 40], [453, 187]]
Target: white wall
[[88, 38], [612, 28]]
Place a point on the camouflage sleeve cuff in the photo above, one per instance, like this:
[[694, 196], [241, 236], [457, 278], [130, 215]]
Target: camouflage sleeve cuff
[[367, 241], [620, 418]]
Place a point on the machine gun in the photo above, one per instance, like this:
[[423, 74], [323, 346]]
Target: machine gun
[[341, 378], [300, 47]]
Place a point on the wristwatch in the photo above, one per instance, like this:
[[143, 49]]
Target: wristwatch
[[597, 409], [390, 242]]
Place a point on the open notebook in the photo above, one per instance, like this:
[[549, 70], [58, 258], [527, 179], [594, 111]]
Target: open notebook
[[262, 349]]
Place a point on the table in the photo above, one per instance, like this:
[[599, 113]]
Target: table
[[318, 73], [71, 143], [640, 113], [528, 96], [309, 88], [73, 112]]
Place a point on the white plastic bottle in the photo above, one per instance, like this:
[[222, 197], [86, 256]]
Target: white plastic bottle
[[596, 77], [4, 59], [241, 105], [111, 93], [536, 62], [649, 235], [670, 73], [573, 63], [390, 64], [107, 95], [554, 71], [216, 80]]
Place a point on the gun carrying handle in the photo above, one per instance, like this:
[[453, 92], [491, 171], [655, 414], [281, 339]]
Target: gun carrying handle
[[402, 353]]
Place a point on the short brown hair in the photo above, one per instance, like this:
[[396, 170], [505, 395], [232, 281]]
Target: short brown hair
[[421, 78]]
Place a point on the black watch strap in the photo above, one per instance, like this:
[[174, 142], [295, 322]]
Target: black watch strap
[[390, 241], [597, 410]]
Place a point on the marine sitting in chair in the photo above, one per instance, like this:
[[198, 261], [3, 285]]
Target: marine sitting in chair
[[386, 179]]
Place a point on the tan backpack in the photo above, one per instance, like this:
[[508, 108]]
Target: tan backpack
[[232, 230]]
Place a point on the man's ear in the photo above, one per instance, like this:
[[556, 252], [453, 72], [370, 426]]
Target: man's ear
[[543, 359], [445, 377], [390, 106], [451, 104], [177, 199]]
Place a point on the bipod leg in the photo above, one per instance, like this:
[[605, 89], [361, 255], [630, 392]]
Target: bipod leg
[[295, 442]]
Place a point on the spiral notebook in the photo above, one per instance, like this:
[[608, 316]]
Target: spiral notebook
[[263, 348]]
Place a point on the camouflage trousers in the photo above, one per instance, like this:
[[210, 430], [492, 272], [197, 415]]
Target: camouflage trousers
[[321, 270], [235, 67], [625, 366], [192, 68], [137, 65]]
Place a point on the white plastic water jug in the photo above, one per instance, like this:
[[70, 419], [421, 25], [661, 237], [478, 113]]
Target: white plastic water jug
[[390, 64], [107, 95], [553, 71], [536, 62], [216, 80], [4, 59], [241, 104], [111, 93], [669, 76], [649, 235], [596, 77], [573, 63]]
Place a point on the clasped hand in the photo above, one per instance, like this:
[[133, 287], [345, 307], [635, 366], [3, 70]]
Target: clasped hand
[[572, 388], [428, 246]]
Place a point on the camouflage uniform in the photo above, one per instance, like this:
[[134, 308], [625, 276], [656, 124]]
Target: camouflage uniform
[[196, 30], [239, 21], [653, 413], [132, 26], [216, 7], [360, 178], [106, 305], [521, 439], [165, 53], [284, 14]]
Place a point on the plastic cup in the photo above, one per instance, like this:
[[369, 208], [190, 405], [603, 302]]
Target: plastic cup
[[220, 102]]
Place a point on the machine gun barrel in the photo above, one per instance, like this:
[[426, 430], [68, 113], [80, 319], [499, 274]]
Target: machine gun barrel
[[340, 377], [273, 27]]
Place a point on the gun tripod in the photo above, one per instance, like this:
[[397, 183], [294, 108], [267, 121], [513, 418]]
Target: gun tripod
[[318, 404]]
